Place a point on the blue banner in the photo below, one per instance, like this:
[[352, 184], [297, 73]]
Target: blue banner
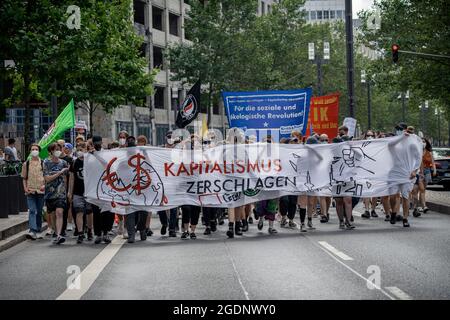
[[278, 112]]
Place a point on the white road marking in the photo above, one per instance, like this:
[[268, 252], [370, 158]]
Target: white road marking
[[93, 270], [236, 272], [399, 293], [335, 251]]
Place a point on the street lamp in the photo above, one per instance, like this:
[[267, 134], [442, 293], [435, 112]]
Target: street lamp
[[404, 97], [423, 107], [369, 109], [314, 58], [437, 112]]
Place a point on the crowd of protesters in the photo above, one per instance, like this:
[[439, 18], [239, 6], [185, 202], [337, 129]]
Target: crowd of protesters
[[57, 183]]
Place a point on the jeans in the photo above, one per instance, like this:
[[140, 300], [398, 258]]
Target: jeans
[[173, 216], [35, 205]]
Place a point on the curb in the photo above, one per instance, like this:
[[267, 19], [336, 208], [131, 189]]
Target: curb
[[13, 230], [16, 238], [439, 207]]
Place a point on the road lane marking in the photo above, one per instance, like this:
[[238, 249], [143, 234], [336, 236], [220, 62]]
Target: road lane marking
[[93, 270], [399, 293], [335, 251], [236, 272], [348, 267]]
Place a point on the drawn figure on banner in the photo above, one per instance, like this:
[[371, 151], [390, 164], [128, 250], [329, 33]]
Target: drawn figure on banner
[[145, 182], [349, 164]]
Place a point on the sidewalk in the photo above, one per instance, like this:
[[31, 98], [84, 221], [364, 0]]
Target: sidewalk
[[13, 230]]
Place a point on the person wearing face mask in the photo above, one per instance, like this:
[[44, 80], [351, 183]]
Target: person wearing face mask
[[34, 186], [76, 195], [55, 175], [369, 202], [123, 136], [103, 221], [67, 155]]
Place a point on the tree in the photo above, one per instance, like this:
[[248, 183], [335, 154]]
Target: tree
[[419, 26], [98, 64]]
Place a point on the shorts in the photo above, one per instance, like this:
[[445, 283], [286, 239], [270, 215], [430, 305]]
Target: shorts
[[53, 204], [79, 204], [427, 174], [405, 189]]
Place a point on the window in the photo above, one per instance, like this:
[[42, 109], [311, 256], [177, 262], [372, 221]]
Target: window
[[158, 61], [157, 18], [319, 15], [313, 15], [139, 10], [263, 8], [173, 24], [332, 14], [326, 15], [144, 129], [159, 97], [339, 14], [161, 131]]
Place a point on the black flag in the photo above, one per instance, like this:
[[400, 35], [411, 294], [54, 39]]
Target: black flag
[[190, 108]]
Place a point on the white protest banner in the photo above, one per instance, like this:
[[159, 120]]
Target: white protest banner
[[150, 178], [350, 123]]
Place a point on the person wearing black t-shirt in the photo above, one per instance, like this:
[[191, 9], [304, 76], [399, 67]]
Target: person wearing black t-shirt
[[76, 195]]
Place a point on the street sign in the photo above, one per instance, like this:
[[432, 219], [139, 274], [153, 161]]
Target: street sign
[[326, 50], [311, 51]]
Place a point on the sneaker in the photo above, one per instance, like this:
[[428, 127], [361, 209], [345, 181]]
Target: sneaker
[[89, 235], [292, 224], [185, 235], [69, 227], [310, 225], [54, 235], [106, 239], [63, 234], [49, 232], [393, 219], [131, 239], [303, 228], [244, 225], [98, 239], [387, 218], [193, 236], [150, 232], [207, 231], [143, 234], [39, 235], [324, 219], [80, 239], [341, 225], [238, 228], [260, 223], [230, 234], [172, 234], [31, 236], [250, 220], [272, 231], [416, 213], [366, 215], [221, 220], [163, 229], [399, 218], [60, 240], [213, 226], [373, 214], [349, 226], [283, 222], [405, 223], [425, 209]]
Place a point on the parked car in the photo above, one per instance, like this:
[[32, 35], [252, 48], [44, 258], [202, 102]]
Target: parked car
[[442, 161]]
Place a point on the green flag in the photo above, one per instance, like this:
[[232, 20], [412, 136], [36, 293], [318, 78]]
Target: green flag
[[65, 121]]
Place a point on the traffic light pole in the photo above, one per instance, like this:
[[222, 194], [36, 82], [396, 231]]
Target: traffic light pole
[[403, 108], [349, 50]]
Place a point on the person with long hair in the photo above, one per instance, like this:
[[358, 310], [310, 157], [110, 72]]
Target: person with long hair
[[428, 169]]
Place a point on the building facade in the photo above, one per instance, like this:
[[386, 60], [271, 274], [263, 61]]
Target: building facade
[[161, 23], [324, 10]]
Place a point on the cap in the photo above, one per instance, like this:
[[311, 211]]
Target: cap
[[401, 126], [68, 146], [311, 140]]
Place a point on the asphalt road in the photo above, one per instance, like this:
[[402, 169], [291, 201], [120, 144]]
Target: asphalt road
[[326, 263]]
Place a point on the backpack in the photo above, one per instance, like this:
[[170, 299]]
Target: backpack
[[27, 164]]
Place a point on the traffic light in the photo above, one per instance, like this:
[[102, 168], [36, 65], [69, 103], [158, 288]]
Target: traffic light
[[395, 48]]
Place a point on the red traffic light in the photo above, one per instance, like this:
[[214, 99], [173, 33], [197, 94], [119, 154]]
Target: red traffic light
[[395, 48]]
